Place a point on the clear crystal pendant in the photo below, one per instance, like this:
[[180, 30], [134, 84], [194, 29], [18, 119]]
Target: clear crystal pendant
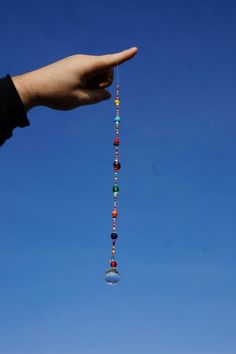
[[112, 276]]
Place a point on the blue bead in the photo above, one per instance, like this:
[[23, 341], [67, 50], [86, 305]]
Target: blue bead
[[114, 236], [117, 119]]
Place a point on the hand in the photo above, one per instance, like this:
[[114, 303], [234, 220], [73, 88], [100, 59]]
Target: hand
[[71, 82]]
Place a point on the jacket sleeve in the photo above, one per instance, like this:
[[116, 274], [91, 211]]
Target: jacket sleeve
[[12, 112]]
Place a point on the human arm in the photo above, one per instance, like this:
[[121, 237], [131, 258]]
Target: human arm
[[71, 82], [66, 84]]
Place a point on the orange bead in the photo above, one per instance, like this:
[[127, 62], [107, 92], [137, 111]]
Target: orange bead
[[114, 213]]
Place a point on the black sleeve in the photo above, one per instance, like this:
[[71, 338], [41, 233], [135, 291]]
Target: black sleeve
[[12, 112]]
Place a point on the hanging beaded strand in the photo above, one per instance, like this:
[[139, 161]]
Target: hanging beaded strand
[[112, 276]]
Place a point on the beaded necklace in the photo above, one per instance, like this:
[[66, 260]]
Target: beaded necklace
[[112, 276]]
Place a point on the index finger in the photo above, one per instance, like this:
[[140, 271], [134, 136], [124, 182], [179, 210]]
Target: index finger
[[108, 61]]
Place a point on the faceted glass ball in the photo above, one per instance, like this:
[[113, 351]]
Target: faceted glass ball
[[112, 277], [117, 165], [115, 189], [117, 119], [114, 235], [116, 142]]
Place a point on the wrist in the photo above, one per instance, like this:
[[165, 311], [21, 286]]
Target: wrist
[[25, 87]]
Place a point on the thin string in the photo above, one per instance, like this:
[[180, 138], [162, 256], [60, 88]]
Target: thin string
[[117, 72]]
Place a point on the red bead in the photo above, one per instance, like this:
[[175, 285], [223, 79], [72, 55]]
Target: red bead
[[116, 166], [113, 264], [114, 213], [116, 141]]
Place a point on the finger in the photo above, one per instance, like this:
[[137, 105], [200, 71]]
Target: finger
[[90, 96], [107, 81], [101, 80], [110, 60]]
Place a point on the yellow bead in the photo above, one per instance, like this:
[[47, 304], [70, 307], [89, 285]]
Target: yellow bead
[[117, 102]]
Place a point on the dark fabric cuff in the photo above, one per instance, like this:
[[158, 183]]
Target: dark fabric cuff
[[12, 110], [14, 104]]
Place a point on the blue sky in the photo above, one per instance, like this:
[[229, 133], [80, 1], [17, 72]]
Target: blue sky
[[176, 249]]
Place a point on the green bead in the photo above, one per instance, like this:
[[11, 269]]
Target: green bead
[[115, 189]]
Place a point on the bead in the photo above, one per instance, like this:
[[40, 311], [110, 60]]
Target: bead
[[114, 236], [115, 189], [117, 119], [112, 276], [117, 101], [113, 264], [117, 165], [116, 142], [114, 213]]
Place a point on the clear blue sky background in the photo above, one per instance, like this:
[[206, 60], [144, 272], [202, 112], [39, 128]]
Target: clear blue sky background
[[177, 246]]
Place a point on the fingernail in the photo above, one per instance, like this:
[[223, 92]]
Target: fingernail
[[133, 48]]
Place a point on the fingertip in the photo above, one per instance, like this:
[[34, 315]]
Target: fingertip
[[134, 49], [126, 54]]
